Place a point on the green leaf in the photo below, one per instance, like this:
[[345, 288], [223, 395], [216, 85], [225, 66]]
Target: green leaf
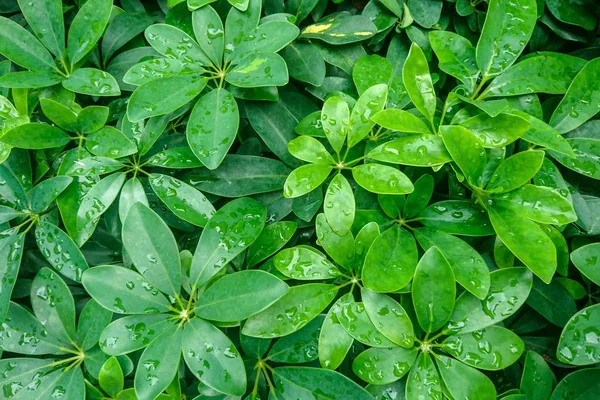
[[93, 82], [371, 102], [162, 96], [334, 341], [159, 363], [424, 380], [35, 136], [363, 242], [538, 74], [123, 28], [382, 366], [456, 56], [507, 29], [433, 290], [208, 30], [43, 194], [240, 295], [459, 217], [182, 199], [230, 230], [553, 301], [509, 288], [304, 382], [238, 175], [537, 379], [498, 131], [464, 382], [151, 70], [585, 161], [109, 142], [132, 192], [60, 251], [304, 62], [341, 29], [417, 150], [467, 151], [544, 135], [213, 126], [60, 114], [526, 240], [259, 70], [111, 377], [577, 385], [176, 158], [572, 12], [268, 37], [493, 348], [212, 358], [174, 43], [540, 204], [304, 263], [391, 261], [416, 78], [87, 27], [339, 205], [91, 166], [382, 179], [587, 259], [132, 333], [22, 48], [339, 247], [389, 318], [371, 70], [152, 248], [299, 347], [46, 19], [123, 291], [300, 305], [92, 321], [305, 179], [582, 326], [20, 323], [469, 267], [95, 202], [418, 199], [402, 121], [515, 171], [30, 79], [335, 118], [11, 253], [309, 149]]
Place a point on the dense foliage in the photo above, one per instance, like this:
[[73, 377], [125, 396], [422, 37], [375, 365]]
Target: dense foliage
[[302, 199]]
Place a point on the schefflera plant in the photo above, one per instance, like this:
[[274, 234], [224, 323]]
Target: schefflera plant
[[174, 305], [235, 59], [478, 139]]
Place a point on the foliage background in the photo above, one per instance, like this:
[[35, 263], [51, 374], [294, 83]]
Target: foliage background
[[307, 199]]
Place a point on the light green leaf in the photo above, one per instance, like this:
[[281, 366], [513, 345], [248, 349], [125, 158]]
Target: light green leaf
[[45, 18], [35, 136], [382, 179], [240, 295], [492, 348], [355, 320], [371, 102], [334, 341], [515, 171], [305, 179], [417, 150], [391, 261], [87, 27], [498, 131], [577, 344], [208, 30], [213, 126], [22, 48], [389, 318], [382, 366], [300, 305], [586, 157], [459, 217], [304, 263], [60, 251], [309, 149], [116, 339], [467, 151], [339, 205], [162, 96], [509, 288], [259, 70], [464, 382], [174, 43], [416, 78], [587, 260], [93, 82], [335, 118], [526, 240], [401, 121], [424, 380], [229, 232], [456, 56], [152, 248], [182, 199], [433, 290], [109, 142], [507, 29]]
